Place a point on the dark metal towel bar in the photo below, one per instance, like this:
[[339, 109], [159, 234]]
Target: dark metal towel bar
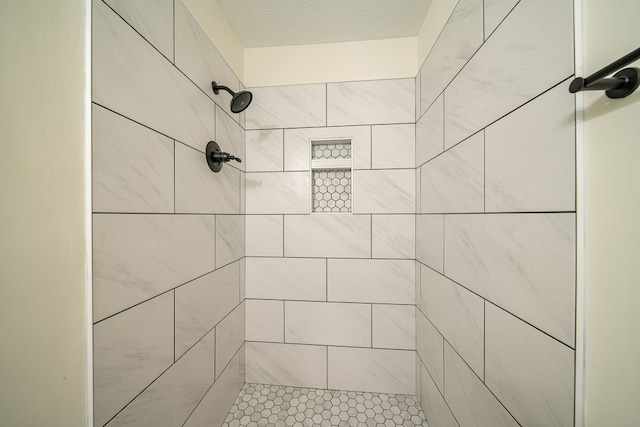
[[621, 84]]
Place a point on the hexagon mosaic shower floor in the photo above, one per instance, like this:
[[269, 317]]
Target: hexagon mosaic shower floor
[[276, 406]]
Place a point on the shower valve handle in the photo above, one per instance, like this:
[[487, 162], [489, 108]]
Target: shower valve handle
[[219, 156]]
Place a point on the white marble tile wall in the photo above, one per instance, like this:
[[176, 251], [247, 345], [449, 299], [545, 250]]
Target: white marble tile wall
[[229, 337], [430, 241], [384, 191], [430, 348], [430, 132], [231, 137], [371, 102], [265, 150], [435, 408], [132, 166], [365, 369], [394, 326], [393, 146], [265, 235], [339, 236], [229, 239], [494, 12], [278, 193], [287, 107], [265, 320], [393, 236], [287, 278]]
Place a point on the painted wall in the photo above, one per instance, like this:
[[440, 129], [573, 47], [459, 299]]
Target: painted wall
[[331, 295], [495, 230], [168, 234], [43, 250], [612, 229]]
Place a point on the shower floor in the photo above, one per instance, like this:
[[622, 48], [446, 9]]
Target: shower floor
[[275, 406]]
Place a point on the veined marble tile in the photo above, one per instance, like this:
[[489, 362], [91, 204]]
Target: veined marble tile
[[265, 235], [136, 257], [522, 262], [394, 326], [287, 278], [199, 190], [231, 138], [153, 19], [531, 373], [130, 350], [417, 96], [243, 278], [327, 323], [394, 236], [132, 166], [530, 156], [430, 241], [371, 102], [435, 408], [215, 405], [170, 399], [229, 337], [229, 238], [457, 313], [265, 150], [326, 236], [430, 348], [278, 193], [494, 12], [198, 58], [454, 181], [459, 40], [384, 191], [393, 146], [204, 302], [286, 364], [367, 280], [132, 78], [297, 145], [371, 369], [417, 190], [265, 320], [243, 193], [469, 398], [287, 107], [506, 72], [418, 379], [430, 132]]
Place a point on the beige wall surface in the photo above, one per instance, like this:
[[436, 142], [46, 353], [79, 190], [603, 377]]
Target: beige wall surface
[[43, 270], [612, 229]]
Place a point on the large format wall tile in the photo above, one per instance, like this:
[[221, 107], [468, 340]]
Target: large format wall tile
[[522, 262], [265, 151], [265, 320], [297, 145], [229, 239], [278, 193], [457, 313], [286, 364], [132, 166], [153, 19], [394, 326], [264, 235], [393, 146], [133, 79], [201, 61], [458, 41], [384, 191], [530, 163], [454, 181], [231, 138], [494, 12], [367, 369], [130, 350], [469, 399], [371, 102], [199, 190], [430, 348], [531, 373], [287, 107], [366, 280], [229, 337], [430, 241], [393, 236], [170, 399], [339, 236], [202, 303], [435, 408], [136, 257], [506, 71], [327, 323], [430, 132], [287, 278]]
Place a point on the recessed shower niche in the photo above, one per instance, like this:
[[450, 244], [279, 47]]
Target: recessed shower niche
[[331, 165]]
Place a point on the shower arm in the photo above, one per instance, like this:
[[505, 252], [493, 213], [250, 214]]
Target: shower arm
[[216, 89]]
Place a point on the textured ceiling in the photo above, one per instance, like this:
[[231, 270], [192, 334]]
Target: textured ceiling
[[260, 23]]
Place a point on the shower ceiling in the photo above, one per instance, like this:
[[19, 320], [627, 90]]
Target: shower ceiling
[[261, 23]]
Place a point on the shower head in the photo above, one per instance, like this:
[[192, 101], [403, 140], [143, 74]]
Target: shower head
[[239, 101]]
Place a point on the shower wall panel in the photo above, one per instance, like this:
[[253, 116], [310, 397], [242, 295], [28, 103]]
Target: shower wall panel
[[331, 296], [168, 234], [495, 224]]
